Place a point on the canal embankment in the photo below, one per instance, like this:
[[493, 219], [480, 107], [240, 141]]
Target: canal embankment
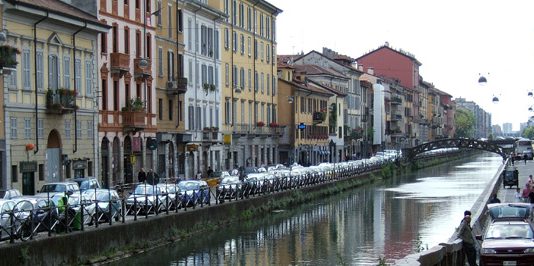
[[107, 243]]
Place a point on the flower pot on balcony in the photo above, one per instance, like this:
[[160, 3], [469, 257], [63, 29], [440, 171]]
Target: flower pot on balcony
[[8, 56], [260, 124]]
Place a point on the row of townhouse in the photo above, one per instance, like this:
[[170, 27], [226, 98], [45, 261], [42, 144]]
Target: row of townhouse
[[105, 88], [345, 108]]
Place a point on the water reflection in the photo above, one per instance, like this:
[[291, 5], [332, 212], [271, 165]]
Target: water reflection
[[389, 219]]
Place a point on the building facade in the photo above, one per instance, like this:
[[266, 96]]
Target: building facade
[[249, 82], [127, 97], [51, 97]]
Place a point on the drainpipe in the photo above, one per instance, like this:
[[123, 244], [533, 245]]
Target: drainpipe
[[35, 76], [75, 149]]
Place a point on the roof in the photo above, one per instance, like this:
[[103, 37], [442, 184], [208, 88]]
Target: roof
[[308, 86], [337, 57], [59, 7], [317, 70], [401, 52], [339, 93]]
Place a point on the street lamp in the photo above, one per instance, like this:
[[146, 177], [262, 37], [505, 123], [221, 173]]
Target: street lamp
[[482, 80]]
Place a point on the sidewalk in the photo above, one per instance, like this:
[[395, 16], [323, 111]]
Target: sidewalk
[[507, 194]]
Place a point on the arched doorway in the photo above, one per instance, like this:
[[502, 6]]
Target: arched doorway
[[53, 157], [115, 164], [128, 157], [104, 149]]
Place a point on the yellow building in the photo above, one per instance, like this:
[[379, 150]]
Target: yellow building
[[249, 82], [170, 85], [50, 106], [307, 119], [3, 171]]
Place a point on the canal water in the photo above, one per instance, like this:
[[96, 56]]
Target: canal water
[[386, 220]]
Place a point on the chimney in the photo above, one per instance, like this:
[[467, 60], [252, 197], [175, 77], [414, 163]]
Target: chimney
[[370, 71]]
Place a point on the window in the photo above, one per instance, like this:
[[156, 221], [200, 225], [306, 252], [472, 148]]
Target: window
[[26, 69], [234, 111], [249, 18], [216, 47], [241, 15], [217, 116], [234, 41], [190, 35], [242, 111], [242, 78], [211, 117], [14, 174], [170, 110], [227, 111], [126, 40], [90, 129], [169, 20], [158, 14], [248, 46], [180, 18], [66, 73], [104, 43], [234, 12], [41, 172], [249, 79], [40, 76], [210, 75], [234, 77], [269, 113], [160, 109], [242, 44], [198, 117], [191, 117], [226, 38], [268, 52], [204, 76], [190, 74], [53, 72], [261, 51], [88, 78], [226, 74], [275, 83], [67, 129], [40, 128], [267, 81], [79, 129], [203, 40], [255, 49], [256, 81], [13, 126], [255, 113], [160, 61], [138, 43], [261, 82], [27, 128], [261, 24], [170, 65], [267, 27], [78, 76], [204, 122]]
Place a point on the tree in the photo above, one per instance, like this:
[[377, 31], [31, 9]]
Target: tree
[[528, 132], [464, 121]]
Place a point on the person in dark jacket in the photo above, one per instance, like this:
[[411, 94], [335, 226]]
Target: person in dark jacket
[[494, 199], [141, 176], [465, 233]]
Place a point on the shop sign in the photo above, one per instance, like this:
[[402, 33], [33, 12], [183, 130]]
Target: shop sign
[[28, 166]]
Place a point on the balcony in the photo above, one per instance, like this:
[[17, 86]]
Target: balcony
[[210, 134], [396, 100], [133, 120], [175, 87], [8, 59], [142, 72], [60, 101], [119, 63]]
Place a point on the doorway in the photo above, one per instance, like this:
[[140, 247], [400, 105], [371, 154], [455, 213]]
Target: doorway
[[53, 157]]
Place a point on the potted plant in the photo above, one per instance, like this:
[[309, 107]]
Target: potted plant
[[206, 86], [260, 124], [207, 128], [8, 56], [212, 87], [273, 124], [215, 129]]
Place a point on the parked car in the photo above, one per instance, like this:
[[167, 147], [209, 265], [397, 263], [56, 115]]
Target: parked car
[[44, 215], [86, 183], [171, 191], [50, 189], [146, 198], [102, 204], [9, 193], [6, 208], [193, 192], [229, 188], [507, 243]]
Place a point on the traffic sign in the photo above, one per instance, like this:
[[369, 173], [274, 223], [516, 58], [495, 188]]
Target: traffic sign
[[152, 144], [302, 126]]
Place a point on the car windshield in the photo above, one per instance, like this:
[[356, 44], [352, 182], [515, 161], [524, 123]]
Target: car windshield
[[144, 190], [509, 231], [508, 211], [53, 188], [184, 186]]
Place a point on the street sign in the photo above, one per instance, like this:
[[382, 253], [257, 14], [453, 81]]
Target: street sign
[[152, 144], [302, 126]]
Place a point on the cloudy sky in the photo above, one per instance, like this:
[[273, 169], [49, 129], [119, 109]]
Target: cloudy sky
[[455, 41]]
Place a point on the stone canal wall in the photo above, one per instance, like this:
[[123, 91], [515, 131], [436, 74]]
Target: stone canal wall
[[97, 245]]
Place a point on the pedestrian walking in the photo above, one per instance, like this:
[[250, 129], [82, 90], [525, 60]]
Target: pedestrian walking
[[525, 193], [525, 157], [512, 157], [465, 233], [152, 178], [141, 176], [210, 171]]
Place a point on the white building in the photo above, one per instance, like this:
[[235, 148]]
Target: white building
[[202, 101]]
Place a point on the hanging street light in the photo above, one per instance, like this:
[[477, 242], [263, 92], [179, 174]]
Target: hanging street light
[[495, 99]]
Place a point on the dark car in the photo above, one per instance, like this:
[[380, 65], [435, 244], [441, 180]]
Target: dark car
[[86, 183], [244, 171], [507, 243]]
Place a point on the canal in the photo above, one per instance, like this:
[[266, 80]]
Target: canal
[[388, 219]]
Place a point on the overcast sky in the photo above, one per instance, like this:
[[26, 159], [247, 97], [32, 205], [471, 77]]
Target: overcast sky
[[454, 40]]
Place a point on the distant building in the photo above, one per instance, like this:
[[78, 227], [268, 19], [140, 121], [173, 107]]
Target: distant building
[[482, 118], [507, 128]]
